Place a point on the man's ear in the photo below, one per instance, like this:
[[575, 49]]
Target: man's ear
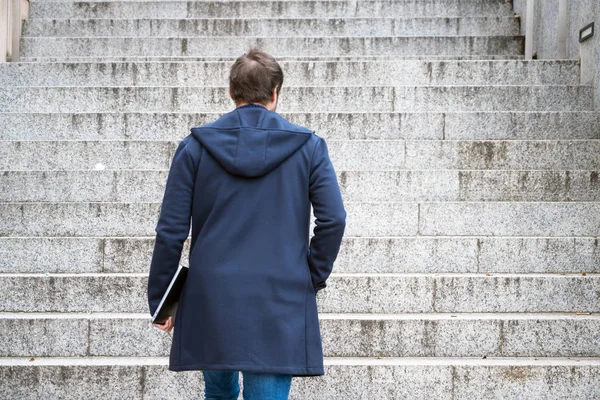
[[274, 95], [229, 91]]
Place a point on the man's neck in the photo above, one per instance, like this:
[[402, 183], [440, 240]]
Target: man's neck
[[245, 104]]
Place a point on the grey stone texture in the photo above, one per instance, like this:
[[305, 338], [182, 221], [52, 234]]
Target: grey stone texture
[[539, 255], [368, 335], [200, 27], [420, 254], [510, 218], [361, 182], [132, 219], [176, 125], [283, 58], [477, 125], [505, 155], [157, 155], [470, 267], [346, 293], [266, 9], [297, 73], [146, 378], [332, 99], [351, 155], [579, 13], [364, 218], [278, 46]]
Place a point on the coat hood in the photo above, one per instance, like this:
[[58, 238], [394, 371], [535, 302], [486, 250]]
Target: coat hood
[[251, 141]]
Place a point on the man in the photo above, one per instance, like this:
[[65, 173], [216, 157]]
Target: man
[[247, 181]]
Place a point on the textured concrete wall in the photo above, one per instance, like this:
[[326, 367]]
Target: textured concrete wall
[[596, 58], [579, 14]]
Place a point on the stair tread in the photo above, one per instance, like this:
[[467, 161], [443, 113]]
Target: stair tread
[[329, 316], [455, 275], [533, 127], [400, 361]]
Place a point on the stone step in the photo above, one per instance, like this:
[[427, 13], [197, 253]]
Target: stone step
[[157, 155], [297, 73], [345, 293], [266, 9], [194, 27], [344, 335], [364, 219], [351, 155], [485, 125], [420, 57], [498, 256], [305, 99], [359, 378], [416, 254], [506, 155], [131, 186], [277, 46]]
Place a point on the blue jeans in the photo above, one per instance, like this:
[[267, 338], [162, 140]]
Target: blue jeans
[[224, 385]]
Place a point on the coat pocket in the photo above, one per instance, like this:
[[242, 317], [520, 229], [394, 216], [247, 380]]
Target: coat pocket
[[309, 278]]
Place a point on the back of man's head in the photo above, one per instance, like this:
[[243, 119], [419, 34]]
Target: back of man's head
[[253, 78]]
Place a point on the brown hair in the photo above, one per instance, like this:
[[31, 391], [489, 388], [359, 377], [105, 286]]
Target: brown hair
[[253, 77]]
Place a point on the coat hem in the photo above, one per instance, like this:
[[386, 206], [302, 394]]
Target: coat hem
[[295, 371]]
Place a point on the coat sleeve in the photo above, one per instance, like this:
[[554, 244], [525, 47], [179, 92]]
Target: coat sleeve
[[173, 225], [330, 215]]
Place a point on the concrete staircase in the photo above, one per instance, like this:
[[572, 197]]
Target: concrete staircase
[[470, 177]]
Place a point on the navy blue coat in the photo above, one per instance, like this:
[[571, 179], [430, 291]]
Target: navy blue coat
[[247, 181]]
